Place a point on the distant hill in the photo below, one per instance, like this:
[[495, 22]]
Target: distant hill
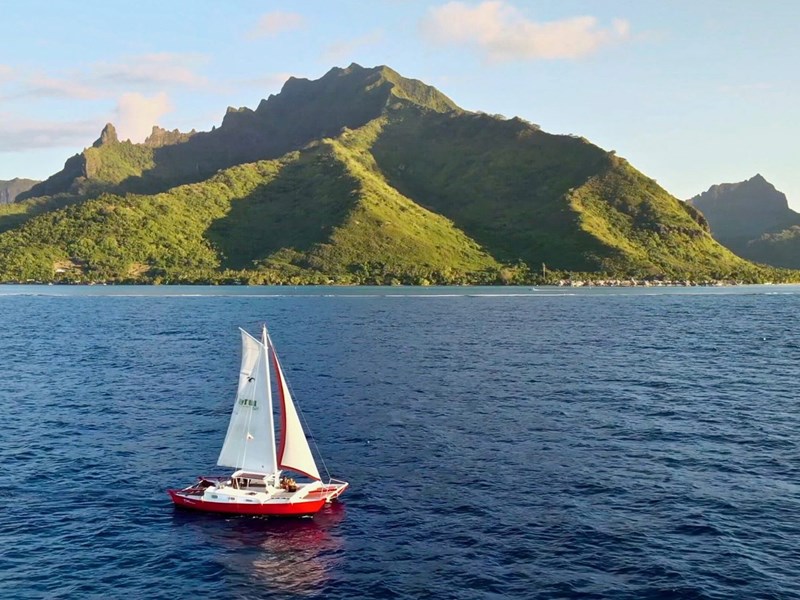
[[362, 176], [754, 220], [9, 190]]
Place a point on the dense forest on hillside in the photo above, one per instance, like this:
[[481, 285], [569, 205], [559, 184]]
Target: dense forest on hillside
[[362, 176]]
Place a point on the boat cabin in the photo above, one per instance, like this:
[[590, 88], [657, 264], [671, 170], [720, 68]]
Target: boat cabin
[[243, 480]]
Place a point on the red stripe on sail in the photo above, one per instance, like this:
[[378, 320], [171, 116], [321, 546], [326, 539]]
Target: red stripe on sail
[[283, 406], [281, 385]]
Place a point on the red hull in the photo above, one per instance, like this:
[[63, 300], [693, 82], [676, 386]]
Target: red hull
[[301, 508]]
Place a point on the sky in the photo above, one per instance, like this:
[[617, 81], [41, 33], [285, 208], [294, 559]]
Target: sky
[[692, 93]]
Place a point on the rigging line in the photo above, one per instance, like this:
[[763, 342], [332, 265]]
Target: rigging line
[[302, 416]]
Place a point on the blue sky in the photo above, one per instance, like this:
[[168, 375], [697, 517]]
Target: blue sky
[[691, 93]]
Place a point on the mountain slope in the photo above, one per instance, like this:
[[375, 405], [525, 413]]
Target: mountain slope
[[780, 249], [650, 231], [528, 195], [249, 217]]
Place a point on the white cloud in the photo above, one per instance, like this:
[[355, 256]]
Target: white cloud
[[160, 69], [276, 22], [136, 114], [502, 32], [139, 86], [148, 72], [42, 86], [345, 49], [19, 134]]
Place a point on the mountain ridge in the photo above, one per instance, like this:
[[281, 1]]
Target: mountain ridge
[[299, 114], [361, 176]]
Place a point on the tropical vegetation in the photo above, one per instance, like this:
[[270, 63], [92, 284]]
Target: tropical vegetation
[[361, 177]]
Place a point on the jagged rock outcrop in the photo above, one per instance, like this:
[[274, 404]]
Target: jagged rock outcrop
[[107, 137], [163, 137]]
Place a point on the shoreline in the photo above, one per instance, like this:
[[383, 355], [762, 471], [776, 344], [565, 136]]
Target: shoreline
[[572, 283]]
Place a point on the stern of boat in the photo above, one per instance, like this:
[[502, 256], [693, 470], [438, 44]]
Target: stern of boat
[[333, 489]]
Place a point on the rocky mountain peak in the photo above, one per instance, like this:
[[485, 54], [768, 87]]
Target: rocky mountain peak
[[107, 136], [163, 137], [742, 211]]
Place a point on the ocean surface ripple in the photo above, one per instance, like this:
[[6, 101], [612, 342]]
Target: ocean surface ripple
[[522, 443]]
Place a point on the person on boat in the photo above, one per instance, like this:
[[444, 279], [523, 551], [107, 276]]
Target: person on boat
[[288, 484]]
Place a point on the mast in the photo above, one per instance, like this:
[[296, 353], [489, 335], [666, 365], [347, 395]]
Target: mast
[[270, 418]]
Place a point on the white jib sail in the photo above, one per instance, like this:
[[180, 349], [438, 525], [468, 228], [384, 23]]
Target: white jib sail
[[250, 440], [294, 452]]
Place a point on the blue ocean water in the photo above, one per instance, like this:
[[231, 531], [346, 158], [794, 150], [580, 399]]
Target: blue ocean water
[[500, 443]]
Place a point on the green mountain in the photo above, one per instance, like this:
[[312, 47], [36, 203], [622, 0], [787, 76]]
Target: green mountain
[[781, 249], [360, 176], [303, 112], [753, 220], [9, 190]]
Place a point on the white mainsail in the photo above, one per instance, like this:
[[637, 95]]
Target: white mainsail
[[294, 452], [250, 441], [250, 346]]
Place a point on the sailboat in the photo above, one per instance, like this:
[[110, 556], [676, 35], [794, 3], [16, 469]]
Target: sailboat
[[259, 485]]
